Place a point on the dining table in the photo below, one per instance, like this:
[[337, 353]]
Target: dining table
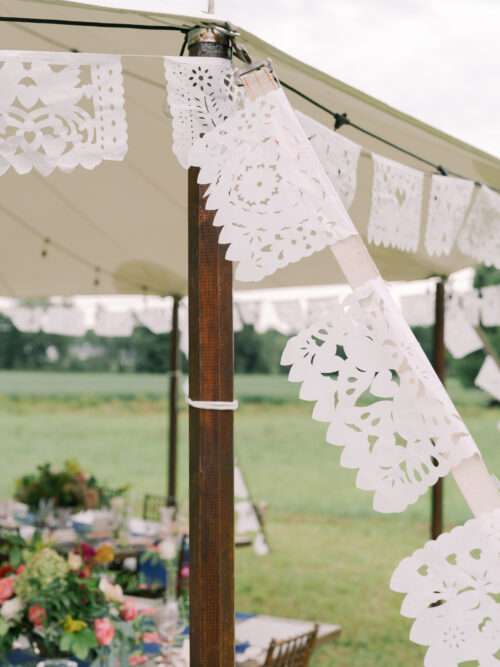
[[253, 634]]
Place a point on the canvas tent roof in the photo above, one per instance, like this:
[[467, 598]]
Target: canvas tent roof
[[130, 218]]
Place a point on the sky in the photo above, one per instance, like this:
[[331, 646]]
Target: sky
[[438, 60]]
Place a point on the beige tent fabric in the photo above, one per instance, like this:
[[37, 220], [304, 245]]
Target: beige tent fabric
[[130, 219]]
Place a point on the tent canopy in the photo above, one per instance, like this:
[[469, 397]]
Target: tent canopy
[[129, 218]]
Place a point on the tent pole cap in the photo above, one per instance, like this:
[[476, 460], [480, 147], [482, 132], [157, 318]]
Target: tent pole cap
[[210, 40]]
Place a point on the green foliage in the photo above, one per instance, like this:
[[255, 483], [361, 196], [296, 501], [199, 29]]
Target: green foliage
[[44, 569], [13, 548], [486, 275], [143, 352], [63, 606], [79, 644], [258, 353], [69, 487]]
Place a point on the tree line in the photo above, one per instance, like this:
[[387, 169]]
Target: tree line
[[144, 352]]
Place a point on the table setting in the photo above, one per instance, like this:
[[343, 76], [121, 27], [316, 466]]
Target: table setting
[[84, 583]]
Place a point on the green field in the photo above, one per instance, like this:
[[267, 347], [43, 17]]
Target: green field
[[332, 556]]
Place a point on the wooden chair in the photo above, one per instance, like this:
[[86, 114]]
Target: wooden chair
[[152, 506], [294, 652]]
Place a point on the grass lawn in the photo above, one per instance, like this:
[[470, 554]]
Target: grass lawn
[[332, 556]]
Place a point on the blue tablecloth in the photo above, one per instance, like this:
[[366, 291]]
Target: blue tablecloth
[[27, 659]]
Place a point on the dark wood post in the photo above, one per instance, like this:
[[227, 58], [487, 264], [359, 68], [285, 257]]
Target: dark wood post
[[211, 463], [439, 362], [172, 411]]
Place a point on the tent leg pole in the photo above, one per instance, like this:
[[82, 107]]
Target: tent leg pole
[[439, 363], [173, 396], [211, 457]]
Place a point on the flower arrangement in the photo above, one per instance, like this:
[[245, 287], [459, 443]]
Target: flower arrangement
[[71, 488], [67, 606]]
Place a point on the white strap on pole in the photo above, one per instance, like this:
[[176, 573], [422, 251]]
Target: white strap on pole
[[213, 405]]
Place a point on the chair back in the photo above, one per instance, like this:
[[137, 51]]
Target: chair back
[[294, 652], [152, 506]]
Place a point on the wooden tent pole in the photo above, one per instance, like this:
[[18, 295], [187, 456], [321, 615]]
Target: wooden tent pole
[[211, 458], [173, 397], [439, 363]]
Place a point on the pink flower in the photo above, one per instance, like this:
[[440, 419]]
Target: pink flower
[[137, 660], [37, 615], [20, 569], [6, 588], [185, 571], [87, 551], [128, 612], [151, 638], [104, 631]]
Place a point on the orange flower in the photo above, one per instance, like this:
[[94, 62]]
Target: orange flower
[[104, 555], [37, 615]]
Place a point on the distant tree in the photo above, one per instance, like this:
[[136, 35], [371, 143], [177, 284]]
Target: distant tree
[[258, 353], [486, 275]]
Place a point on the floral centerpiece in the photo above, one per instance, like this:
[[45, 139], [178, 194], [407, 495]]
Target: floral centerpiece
[[66, 606], [69, 488]]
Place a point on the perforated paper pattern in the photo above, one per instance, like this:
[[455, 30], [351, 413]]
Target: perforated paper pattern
[[490, 305], [449, 200], [480, 236], [275, 204], [60, 111], [201, 94], [338, 155], [452, 588], [396, 205], [488, 378], [373, 385]]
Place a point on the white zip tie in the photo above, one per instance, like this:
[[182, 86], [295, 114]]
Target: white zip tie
[[213, 405]]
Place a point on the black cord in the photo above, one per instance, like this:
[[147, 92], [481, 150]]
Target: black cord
[[92, 24], [437, 167], [341, 119], [184, 44]]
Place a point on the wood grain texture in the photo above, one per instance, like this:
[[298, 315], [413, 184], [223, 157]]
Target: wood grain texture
[[172, 406], [211, 458], [439, 363]]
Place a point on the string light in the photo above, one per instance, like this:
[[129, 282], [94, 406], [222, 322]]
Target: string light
[[45, 247], [68, 252]]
